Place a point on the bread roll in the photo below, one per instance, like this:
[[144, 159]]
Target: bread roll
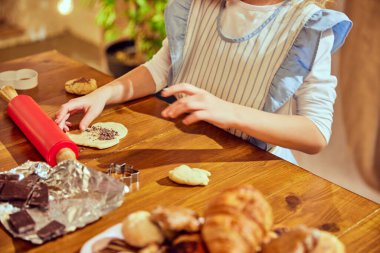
[[237, 221]]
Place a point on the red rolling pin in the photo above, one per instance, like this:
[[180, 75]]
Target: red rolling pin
[[38, 127]]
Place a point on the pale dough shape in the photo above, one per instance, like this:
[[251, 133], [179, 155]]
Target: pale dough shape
[[189, 176], [139, 231], [78, 86], [86, 139]]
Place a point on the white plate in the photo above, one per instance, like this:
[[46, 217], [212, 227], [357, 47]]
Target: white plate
[[114, 231]]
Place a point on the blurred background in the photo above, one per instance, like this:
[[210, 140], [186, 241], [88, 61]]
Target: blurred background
[[114, 36]]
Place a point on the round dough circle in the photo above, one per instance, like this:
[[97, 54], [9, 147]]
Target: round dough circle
[[87, 139]]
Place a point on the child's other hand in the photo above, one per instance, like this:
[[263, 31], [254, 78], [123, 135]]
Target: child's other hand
[[201, 105]]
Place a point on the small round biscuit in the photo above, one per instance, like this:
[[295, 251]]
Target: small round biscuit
[[139, 231], [80, 86]]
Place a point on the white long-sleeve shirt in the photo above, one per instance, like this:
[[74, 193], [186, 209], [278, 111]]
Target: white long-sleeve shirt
[[314, 99]]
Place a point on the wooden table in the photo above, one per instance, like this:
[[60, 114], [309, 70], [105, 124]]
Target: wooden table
[[155, 145]]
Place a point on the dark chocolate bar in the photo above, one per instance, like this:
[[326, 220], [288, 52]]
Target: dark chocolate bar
[[30, 180], [51, 230], [18, 203], [40, 196], [9, 177], [21, 222], [2, 183], [15, 190]]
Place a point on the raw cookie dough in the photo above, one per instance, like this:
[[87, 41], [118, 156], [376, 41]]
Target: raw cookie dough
[[100, 135], [80, 86], [190, 176]]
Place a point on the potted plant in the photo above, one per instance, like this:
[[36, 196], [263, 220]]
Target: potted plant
[[133, 30]]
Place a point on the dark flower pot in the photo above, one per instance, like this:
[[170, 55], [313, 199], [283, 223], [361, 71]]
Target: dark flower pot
[[116, 66]]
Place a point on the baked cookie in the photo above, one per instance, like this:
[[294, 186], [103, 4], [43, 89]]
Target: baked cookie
[[189, 176], [100, 135], [80, 86], [139, 231]]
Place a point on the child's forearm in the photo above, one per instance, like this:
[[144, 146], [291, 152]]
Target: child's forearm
[[135, 84], [289, 131]]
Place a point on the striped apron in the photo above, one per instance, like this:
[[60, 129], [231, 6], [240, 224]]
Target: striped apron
[[238, 70]]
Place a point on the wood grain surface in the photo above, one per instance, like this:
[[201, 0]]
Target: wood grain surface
[[155, 145]]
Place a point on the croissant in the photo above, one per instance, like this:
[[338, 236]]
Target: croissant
[[304, 240], [237, 221]]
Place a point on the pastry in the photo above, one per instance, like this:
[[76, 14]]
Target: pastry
[[175, 219], [80, 86], [100, 135], [189, 176], [139, 231], [304, 240], [237, 220], [188, 243]]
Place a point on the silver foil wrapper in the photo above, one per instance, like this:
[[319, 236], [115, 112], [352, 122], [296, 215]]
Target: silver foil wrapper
[[77, 196]]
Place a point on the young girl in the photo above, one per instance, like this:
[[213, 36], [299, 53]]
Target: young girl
[[260, 69]]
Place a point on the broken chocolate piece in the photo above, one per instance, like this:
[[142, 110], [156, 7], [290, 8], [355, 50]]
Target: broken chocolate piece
[[51, 230], [40, 196], [15, 190], [21, 222]]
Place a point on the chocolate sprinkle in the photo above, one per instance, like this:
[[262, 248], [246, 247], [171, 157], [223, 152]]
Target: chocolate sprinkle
[[21, 222], [101, 133], [51, 230]]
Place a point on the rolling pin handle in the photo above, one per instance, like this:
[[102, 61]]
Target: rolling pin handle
[[65, 154]]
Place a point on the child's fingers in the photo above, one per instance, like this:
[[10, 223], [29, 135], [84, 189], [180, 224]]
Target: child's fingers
[[70, 107], [184, 105], [185, 88], [62, 123], [66, 129], [195, 117], [90, 115]]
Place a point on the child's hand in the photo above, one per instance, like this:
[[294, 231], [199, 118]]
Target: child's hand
[[201, 105], [91, 105]]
